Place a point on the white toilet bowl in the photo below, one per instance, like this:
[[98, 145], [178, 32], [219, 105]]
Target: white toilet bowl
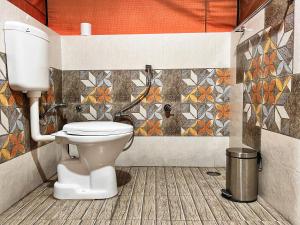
[[92, 176]]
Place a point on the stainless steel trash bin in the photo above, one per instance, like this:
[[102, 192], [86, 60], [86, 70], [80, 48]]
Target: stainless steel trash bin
[[241, 174]]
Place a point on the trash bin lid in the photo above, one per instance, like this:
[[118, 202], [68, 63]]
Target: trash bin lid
[[243, 153]]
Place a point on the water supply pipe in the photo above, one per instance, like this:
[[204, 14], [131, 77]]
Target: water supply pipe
[[35, 118]]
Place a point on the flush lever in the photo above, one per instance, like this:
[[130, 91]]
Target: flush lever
[[168, 109]]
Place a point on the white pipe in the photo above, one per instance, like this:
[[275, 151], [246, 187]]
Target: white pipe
[[35, 121]]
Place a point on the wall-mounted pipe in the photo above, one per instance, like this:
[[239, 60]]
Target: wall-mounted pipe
[[35, 118]]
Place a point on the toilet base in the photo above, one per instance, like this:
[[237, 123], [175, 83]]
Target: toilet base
[[75, 181], [73, 191]]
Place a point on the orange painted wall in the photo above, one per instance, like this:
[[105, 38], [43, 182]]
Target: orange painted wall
[[142, 16]]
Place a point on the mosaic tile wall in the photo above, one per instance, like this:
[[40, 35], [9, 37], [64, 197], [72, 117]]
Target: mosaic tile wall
[[15, 137], [265, 65], [199, 99]]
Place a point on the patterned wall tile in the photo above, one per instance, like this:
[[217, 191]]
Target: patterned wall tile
[[122, 86], [3, 71], [15, 136], [267, 60], [97, 87], [174, 87]]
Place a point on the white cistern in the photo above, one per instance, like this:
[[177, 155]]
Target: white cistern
[[27, 50]]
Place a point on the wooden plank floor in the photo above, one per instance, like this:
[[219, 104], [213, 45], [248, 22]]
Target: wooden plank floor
[[147, 196]]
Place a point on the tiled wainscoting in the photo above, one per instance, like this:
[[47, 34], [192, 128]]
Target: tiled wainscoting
[[147, 196], [14, 114], [199, 99], [265, 65]]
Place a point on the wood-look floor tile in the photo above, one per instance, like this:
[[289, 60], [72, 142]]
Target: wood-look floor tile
[[178, 222], [135, 208], [128, 188], [121, 209], [57, 222], [24, 212], [204, 171], [230, 208], [38, 212], [254, 222], [133, 222], [283, 223], [246, 211], [278, 217], [188, 222], [118, 222], [189, 177], [176, 210], [60, 210], [171, 182], [263, 214], [42, 222], [80, 210], [72, 222], [203, 209], [209, 223], [189, 208], [234, 223], [217, 209], [93, 210], [149, 212], [203, 185], [148, 222], [270, 223], [163, 222], [161, 187], [88, 222], [108, 209], [122, 177], [180, 181], [197, 174], [139, 186], [150, 182], [162, 208], [153, 196], [102, 222]]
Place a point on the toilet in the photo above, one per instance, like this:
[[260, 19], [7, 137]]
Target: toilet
[[92, 175]]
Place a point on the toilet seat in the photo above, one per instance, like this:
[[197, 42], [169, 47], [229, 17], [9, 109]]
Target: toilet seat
[[97, 128]]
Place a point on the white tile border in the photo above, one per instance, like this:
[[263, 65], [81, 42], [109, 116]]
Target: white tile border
[[176, 151], [163, 51]]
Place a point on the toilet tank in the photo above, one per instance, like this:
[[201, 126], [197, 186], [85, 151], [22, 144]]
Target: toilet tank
[[27, 57]]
